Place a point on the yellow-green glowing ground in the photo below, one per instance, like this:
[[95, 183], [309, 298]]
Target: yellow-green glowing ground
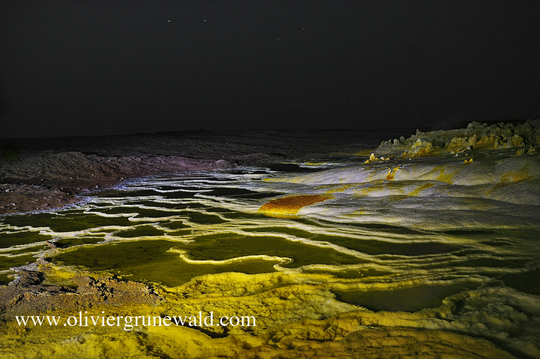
[[269, 315], [427, 248]]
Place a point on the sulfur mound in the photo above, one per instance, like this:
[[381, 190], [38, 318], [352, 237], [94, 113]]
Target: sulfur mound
[[476, 136]]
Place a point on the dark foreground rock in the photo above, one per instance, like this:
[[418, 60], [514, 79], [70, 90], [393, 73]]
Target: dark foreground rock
[[26, 295]]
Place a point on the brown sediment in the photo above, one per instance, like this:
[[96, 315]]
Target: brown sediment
[[49, 180], [42, 174]]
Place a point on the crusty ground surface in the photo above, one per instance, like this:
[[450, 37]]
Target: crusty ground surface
[[50, 173]]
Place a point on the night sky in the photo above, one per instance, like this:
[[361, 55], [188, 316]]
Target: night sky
[[70, 68]]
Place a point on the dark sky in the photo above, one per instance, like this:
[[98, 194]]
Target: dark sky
[[111, 67]]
